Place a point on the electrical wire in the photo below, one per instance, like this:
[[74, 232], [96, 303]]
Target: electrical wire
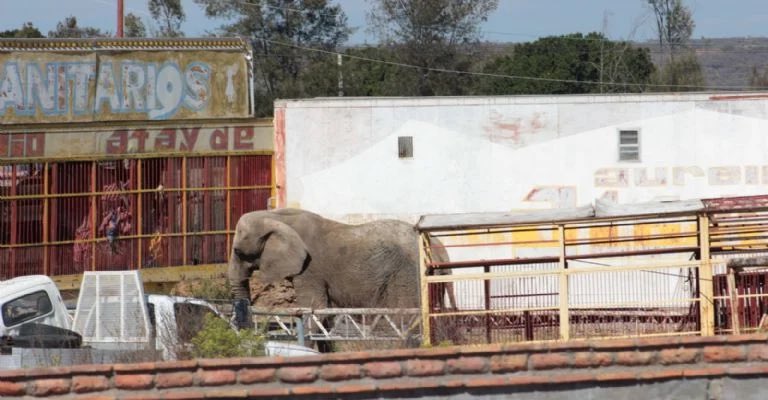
[[514, 77]]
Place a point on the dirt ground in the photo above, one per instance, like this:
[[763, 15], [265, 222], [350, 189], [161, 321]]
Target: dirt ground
[[272, 296]]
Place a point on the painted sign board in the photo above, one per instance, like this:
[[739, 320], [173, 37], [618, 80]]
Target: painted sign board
[[186, 139], [49, 86]]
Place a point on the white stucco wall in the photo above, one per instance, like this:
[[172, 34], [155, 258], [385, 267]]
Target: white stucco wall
[[515, 153], [521, 153]]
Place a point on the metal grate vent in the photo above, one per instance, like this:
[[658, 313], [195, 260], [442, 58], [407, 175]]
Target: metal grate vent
[[405, 146]]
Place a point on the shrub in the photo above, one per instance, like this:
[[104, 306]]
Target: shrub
[[217, 339]]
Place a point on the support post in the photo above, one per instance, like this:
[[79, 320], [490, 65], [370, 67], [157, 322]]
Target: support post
[[424, 288], [565, 321], [94, 211], [487, 290], [139, 212], [184, 232], [228, 208], [706, 289], [734, 300], [120, 18], [14, 218], [46, 227]]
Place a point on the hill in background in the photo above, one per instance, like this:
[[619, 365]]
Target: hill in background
[[726, 61]]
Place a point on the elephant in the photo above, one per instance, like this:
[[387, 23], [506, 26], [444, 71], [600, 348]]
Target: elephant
[[331, 264]]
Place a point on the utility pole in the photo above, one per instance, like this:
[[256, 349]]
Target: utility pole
[[341, 76], [119, 18]]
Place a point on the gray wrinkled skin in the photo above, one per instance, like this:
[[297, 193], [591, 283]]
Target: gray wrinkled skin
[[331, 264]]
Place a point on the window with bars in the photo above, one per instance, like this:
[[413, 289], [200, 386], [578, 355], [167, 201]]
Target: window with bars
[[629, 145]]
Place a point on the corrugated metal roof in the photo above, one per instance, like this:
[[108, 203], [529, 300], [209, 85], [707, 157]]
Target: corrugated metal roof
[[122, 44], [609, 209], [601, 210], [489, 219]]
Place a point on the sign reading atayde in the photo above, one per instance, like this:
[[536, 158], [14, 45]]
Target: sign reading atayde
[[49, 86], [124, 141]]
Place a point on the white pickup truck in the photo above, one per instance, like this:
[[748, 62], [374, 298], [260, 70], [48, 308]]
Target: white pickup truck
[[114, 321]]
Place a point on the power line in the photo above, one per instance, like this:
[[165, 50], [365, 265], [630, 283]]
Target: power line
[[517, 77]]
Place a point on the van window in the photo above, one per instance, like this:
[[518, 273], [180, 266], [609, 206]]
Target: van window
[[25, 308]]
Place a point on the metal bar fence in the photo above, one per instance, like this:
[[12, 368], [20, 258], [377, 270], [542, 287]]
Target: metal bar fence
[[504, 305], [61, 218]]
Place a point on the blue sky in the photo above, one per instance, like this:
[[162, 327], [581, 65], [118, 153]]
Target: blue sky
[[514, 20]]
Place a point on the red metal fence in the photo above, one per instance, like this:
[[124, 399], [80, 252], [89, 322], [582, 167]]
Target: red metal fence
[[61, 218]]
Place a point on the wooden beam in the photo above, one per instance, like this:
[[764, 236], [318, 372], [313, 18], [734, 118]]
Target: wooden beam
[[706, 284], [162, 276], [424, 287]]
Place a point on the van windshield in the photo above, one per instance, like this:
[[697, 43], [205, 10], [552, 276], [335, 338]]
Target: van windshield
[[25, 308]]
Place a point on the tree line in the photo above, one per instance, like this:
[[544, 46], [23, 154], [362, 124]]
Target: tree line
[[423, 48]]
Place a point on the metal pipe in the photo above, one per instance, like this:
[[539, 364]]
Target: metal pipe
[[46, 213], [539, 260], [119, 18]]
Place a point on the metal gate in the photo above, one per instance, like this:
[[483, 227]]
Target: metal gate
[[59, 218]]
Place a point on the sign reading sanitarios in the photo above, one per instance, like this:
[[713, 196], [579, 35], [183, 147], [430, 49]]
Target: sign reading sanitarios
[[46, 86]]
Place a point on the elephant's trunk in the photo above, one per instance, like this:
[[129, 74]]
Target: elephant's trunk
[[239, 274]]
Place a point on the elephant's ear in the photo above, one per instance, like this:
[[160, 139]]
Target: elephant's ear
[[285, 254]]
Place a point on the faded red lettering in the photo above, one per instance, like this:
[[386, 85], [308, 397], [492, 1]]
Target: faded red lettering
[[220, 139], [243, 138], [117, 143], [18, 144], [35, 145], [141, 138], [190, 138], [166, 139], [4, 145], [724, 175]]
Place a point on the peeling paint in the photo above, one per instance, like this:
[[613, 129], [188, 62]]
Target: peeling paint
[[139, 85]]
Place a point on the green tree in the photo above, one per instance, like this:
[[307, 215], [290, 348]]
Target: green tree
[[679, 66], [282, 36], [682, 74], [169, 14], [674, 25], [432, 34], [134, 27], [68, 28], [758, 79], [27, 30], [566, 62]]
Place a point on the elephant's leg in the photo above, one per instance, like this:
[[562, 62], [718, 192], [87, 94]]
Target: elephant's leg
[[310, 293]]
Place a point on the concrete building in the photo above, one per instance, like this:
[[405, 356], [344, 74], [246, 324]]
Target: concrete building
[[357, 159]]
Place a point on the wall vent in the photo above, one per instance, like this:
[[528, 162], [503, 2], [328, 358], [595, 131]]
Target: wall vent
[[405, 146]]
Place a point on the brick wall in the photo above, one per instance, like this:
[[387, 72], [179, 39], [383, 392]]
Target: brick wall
[[718, 366]]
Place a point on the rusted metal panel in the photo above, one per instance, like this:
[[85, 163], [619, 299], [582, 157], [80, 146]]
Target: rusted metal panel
[[136, 139], [736, 203], [81, 83]]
